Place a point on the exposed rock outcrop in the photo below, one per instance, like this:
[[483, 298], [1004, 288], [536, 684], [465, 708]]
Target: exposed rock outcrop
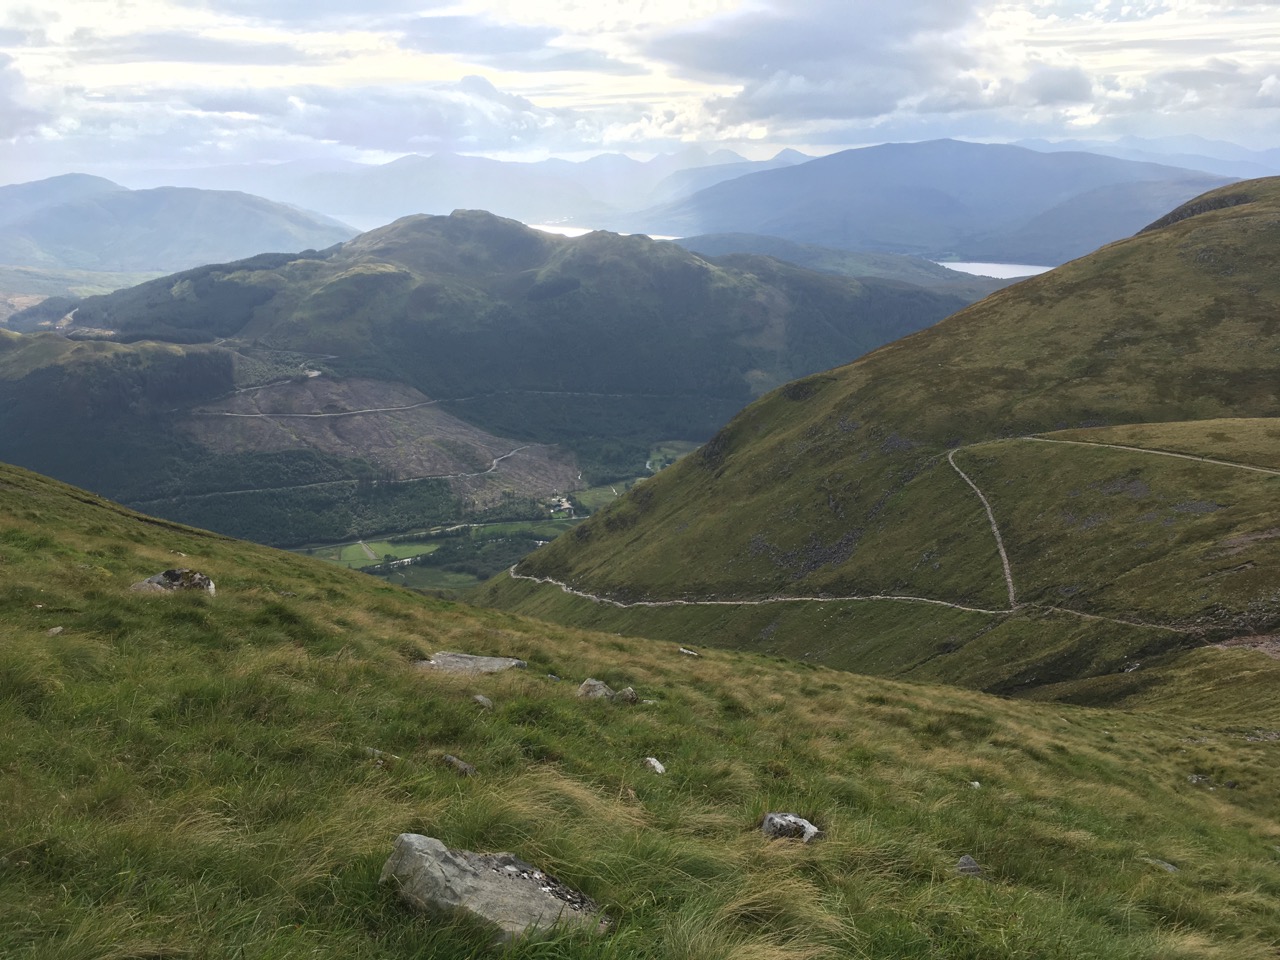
[[500, 888]]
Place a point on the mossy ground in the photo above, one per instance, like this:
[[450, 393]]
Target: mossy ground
[[190, 777]]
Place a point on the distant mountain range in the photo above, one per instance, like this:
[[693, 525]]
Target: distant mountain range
[[1197, 153], [940, 199], [83, 223], [586, 192], [1074, 478], [254, 397]]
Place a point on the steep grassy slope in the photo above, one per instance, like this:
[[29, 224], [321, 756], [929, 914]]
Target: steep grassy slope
[[865, 481], [197, 777], [458, 360]]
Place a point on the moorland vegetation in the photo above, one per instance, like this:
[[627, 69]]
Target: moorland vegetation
[[223, 776]]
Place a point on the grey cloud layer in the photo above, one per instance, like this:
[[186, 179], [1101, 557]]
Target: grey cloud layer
[[17, 117], [828, 58], [833, 72], [471, 115]]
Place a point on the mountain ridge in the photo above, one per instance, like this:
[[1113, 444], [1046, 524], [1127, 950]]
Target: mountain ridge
[[81, 223], [939, 199], [597, 348]]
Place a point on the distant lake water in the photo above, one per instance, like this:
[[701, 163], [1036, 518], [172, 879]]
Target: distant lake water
[[1001, 271]]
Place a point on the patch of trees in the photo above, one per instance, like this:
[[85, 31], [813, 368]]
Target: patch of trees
[[333, 512]]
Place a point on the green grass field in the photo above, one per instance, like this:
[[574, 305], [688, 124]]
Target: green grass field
[[354, 555], [190, 777]]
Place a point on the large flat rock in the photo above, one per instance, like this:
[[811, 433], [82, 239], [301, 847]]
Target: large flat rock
[[499, 887], [469, 663]]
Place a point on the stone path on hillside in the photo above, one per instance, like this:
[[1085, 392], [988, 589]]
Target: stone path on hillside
[[995, 529], [1159, 453], [871, 597], [1014, 605], [628, 604]]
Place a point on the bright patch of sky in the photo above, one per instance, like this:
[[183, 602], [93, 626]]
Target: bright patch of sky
[[91, 84]]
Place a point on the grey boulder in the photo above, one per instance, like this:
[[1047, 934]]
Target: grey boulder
[[500, 888], [171, 580], [592, 689], [464, 769], [788, 826], [968, 867]]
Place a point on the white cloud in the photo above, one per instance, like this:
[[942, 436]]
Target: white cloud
[[215, 80]]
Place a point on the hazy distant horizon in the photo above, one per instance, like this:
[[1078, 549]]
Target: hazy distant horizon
[[193, 83]]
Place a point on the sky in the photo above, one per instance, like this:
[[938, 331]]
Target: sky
[[94, 85]]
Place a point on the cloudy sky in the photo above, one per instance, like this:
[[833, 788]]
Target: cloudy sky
[[96, 84]]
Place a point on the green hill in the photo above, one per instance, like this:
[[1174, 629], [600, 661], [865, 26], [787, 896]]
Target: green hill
[[196, 776], [436, 368], [851, 517]]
